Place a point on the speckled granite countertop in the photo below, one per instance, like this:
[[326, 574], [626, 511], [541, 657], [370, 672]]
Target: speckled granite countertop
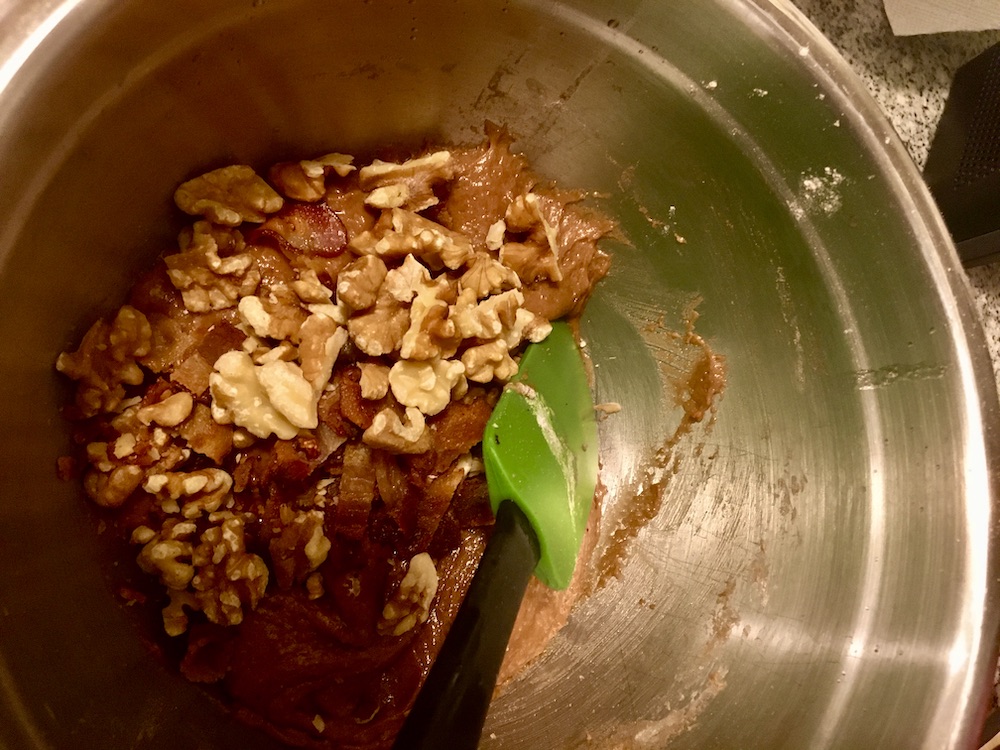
[[910, 78]]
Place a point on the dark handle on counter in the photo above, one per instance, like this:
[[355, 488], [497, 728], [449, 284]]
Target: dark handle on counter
[[451, 707]]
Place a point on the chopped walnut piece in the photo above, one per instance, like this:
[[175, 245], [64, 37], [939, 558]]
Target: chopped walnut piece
[[228, 196], [125, 445], [413, 234], [169, 412], [317, 545], [170, 559], [411, 603], [300, 549], [486, 275], [490, 361], [389, 196], [204, 491], [255, 316], [310, 289], [314, 586], [527, 327], [430, 333], [523, 214], [228, 576], [111, 489], [175, 619], [486, 319], [293, 182], [118, 466], [403, 282], [460, 388], [538, 256], [374, 381], [106, 361], [283, 352], [425, 385], [306, 180], [341, 164], [242, 439], [359, 282], [207, 279], [223, 247], [320, 343], [338, 313], [408, 185], [495, 235], [142, 535], [216, 576], [97, 455], [409, 435], [271, 317], [380, 330]]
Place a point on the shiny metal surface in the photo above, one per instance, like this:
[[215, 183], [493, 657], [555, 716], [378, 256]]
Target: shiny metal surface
[[821, 571]]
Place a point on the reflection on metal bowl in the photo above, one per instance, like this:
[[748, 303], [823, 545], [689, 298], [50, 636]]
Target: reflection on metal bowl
[[818, 569]]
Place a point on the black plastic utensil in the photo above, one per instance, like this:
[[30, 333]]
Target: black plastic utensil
[[451, 708]]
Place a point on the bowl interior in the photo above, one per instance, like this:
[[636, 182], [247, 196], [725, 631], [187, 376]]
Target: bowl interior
[[813, 571]]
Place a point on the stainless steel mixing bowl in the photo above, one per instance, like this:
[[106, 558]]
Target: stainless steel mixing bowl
[[821, 571]]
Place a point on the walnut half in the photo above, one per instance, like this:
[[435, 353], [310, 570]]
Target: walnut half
[[228, 196], [408, 185], [273, 398]]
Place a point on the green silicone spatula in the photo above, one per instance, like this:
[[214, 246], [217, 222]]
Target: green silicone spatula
[[540, 451]]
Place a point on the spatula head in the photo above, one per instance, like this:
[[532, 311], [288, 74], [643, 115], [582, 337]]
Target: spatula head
[[540, 450]]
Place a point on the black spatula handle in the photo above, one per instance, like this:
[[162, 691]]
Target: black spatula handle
[[451, 708]]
